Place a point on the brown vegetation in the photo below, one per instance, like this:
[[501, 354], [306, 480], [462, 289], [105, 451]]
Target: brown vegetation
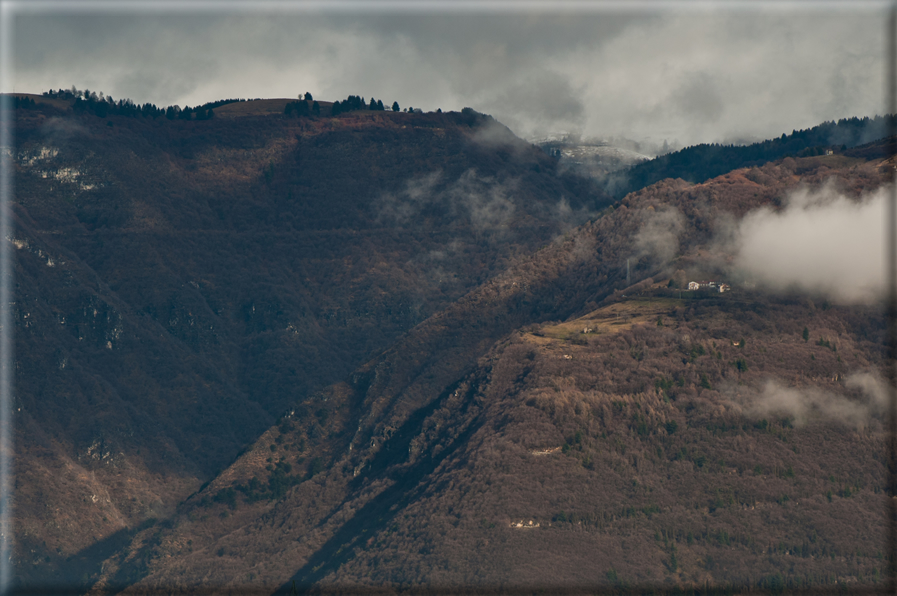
[[668, 472], [181, 284]]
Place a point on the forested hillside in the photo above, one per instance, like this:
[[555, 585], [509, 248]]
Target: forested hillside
[[182, 282], [370, 349], [702, 162], [553, 429]]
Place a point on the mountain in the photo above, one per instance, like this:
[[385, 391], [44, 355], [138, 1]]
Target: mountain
[[555, 429], [181, 283], [700, 163]]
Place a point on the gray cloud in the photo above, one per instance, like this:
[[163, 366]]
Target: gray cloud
[[865, 400], [821, 241], [402, 207], [719, 75], [658, 237], [567, 216], [484, 201], [495, 134], [543, 101], [688, 76], [488, 203], [58, 130], [698, 97]]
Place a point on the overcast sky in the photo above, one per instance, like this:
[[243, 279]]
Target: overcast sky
[[680, 72]]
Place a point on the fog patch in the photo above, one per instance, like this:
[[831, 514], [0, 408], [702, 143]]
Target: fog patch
[[820, 242], [864, 401], [584, 248], [487, 202], [541, 103], [567, 217], [492, 133], [406, 204], [58, 130], [698, 97], [445, 252], [658, 237], [437, 266]]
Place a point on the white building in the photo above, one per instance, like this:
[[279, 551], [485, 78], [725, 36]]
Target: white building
[[708, 285]]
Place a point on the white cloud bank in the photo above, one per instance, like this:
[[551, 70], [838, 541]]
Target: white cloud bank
[[820, 242]]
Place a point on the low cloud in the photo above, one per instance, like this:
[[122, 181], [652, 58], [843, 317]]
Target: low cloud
[[658, 238], [864, 400], [543, 100], [493, 133], [820, 242], [58, 130], [487, 203], [567, 217], [405, 205]]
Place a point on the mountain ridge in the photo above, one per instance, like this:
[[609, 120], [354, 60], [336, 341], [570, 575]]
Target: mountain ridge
[[701, 162]]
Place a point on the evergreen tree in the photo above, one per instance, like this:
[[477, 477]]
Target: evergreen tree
[[353, 102], [296, 109], [395, 106]]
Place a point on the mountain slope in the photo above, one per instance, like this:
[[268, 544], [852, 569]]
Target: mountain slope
[[554, 472], [442, 415], [180, 284], [705, 161]]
